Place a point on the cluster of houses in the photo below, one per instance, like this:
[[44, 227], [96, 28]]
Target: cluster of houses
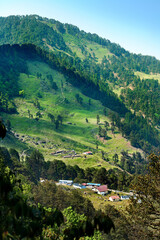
[[96, 187], [70, 153], [118, 198]]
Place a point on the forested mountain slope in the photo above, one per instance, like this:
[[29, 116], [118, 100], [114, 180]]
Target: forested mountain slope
[[42, 80], [44, 95], [107, 63], [51, 34], [100, 68]]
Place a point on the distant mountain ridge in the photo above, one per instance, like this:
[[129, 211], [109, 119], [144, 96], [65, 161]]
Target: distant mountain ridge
[[49, 32]]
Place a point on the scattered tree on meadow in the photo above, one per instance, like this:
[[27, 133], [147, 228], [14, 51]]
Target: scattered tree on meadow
[[2, 130], [57, 123], [79, 98], [106, 124], [105, 111], [98, 119], [38, 114], [112, 129], [8, 125], [115, 158], [52, 118], [60, 118], [36, 103]]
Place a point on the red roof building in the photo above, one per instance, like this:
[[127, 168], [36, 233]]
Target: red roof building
[[103, 189], [114, 198], [84, 184]]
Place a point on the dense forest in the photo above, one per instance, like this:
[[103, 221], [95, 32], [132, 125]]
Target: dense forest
[[10, 68], [144, 97], [28, 30]]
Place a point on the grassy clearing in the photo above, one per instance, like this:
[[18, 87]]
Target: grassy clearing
[[98, 50], [84, 48], [100, 202], [81, 47], [117, 90], [32, 81], [148, 76], [74, 44]]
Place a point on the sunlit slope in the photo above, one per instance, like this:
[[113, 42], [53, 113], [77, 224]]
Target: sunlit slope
[[86, 49], [75, 133], [148, 76]]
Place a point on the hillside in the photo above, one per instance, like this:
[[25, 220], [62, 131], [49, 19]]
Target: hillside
[[94, 70], [42, 93], [107, 63], [66, 38]]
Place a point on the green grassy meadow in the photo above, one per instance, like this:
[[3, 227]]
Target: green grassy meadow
[[148, 76], [83, 47], [74, 133]]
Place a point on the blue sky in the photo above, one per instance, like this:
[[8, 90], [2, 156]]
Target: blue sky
[[134, 24]]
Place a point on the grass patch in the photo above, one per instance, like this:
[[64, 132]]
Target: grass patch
[[100, 202], [83, 48], [98, 50], [148, 76]]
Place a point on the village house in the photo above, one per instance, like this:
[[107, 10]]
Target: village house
[[93, 185], [59, 152], [88, 153], [66, 182], [84, 184], [43, 180], [79, 186], [126, 197], [102, 190], [114, 198], [138, 200]]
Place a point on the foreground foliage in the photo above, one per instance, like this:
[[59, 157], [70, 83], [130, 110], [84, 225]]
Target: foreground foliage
[[21, 218], [53, 212], [145, 208]]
